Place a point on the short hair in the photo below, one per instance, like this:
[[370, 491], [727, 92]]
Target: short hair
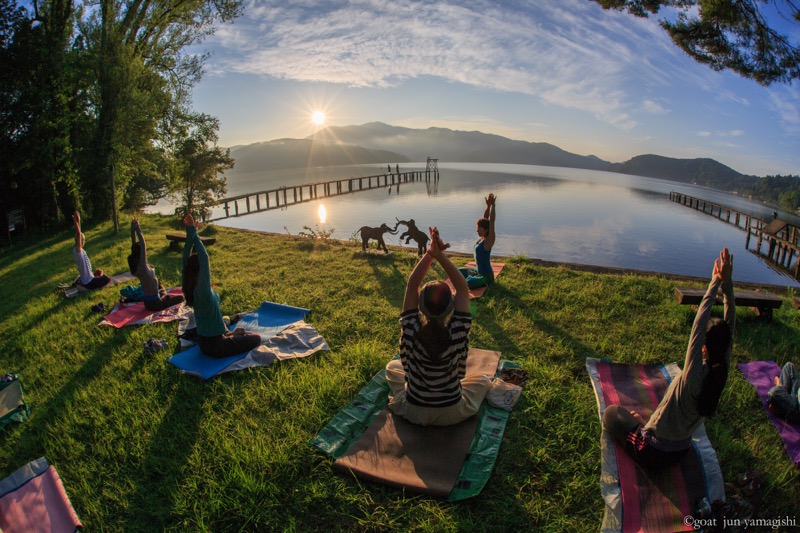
[[484, 223]]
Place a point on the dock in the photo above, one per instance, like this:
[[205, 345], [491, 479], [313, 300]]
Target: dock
[[283, 197], [781, 239]]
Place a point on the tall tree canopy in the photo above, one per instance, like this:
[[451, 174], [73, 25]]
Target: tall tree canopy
[[87, 95], [737, 35]]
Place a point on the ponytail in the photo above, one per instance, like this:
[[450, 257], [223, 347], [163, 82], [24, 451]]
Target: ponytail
[[435, 304], [434, 337]]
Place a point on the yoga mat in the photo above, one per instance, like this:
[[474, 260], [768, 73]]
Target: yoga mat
[[636, 499], [135, 314], [12, 405], [125, 277], [268, 320], [33, 499], [452, 462], [760, 374], [477, 293]]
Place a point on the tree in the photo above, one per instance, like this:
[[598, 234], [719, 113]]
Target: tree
[[197, 165], [737, 35], [142, 71]]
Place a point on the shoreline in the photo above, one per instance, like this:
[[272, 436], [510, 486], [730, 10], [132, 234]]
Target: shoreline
[[778, 290]]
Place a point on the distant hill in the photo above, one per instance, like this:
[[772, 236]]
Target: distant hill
[[300, 153], [376, 142], [705, 172]]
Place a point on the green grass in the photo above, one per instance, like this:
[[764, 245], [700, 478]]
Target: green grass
[[141, 447]]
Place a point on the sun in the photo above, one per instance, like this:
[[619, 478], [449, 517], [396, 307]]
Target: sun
[[318, 118]]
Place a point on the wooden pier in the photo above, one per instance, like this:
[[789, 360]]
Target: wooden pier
[[282, 197], [782, 239]]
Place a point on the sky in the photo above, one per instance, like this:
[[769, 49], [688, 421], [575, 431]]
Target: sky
[[567, 72]]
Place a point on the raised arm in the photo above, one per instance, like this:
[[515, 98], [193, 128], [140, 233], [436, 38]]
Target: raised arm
[[142, 245], [722, 272], [76, 221], [411, 298], [490, 215], [437, 248], [726, 274]]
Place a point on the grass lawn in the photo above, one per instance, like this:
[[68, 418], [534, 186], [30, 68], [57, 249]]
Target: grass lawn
[[141, 447]]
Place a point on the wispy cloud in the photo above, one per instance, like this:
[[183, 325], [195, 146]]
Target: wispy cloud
[[785, 102], [571, 53]]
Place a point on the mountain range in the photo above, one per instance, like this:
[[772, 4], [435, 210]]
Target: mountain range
[[376, 142]]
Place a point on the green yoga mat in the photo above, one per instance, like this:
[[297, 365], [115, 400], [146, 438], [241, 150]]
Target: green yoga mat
[[348, 426]]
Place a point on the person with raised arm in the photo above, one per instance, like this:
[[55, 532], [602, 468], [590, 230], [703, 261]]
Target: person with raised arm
[[88, 279], [483, 274], [212, 335], [694, 394], [155, 296], [428, 384]]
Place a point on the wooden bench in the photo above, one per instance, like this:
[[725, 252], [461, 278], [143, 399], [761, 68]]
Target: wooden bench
[[761, 303], [177, 239]]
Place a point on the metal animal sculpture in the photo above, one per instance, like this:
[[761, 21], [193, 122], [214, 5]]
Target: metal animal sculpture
[[413, 233], [368, 233]]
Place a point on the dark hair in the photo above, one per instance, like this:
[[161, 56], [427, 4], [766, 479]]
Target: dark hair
[[190, 274], [133, 258], [435, 303], [718, 341], [483, 223]]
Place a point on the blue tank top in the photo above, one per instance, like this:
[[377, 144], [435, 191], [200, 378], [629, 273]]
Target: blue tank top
[[483, 261]]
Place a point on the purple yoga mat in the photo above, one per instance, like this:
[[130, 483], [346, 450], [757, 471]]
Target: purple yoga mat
[[760, 374]]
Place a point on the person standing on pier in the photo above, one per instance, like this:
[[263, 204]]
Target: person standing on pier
[[397, 169], [483, 274]]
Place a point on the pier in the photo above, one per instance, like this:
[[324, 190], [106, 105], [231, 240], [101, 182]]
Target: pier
[[283, 197], [782, 239]]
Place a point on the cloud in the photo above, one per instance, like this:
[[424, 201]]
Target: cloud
[[785, 102], [703, 133], [571, 54], [653, 107]]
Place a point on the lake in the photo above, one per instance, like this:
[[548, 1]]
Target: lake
[[555, 214]]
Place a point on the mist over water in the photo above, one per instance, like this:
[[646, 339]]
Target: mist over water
[[554, 214]]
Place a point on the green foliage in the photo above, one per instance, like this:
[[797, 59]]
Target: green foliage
[[325, 235], [779, 190], [141, 447], [741, 36], [87, 97]]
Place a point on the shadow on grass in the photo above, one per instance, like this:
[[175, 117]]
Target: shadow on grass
[[164, 466], [392, 283], [44, 415]]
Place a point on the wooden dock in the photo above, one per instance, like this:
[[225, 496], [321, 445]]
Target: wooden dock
[[283, 197], [781, 239]]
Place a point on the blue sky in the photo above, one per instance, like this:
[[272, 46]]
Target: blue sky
[[564, 72]]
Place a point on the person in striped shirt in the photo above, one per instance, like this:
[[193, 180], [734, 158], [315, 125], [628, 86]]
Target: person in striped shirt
[[427, 384]]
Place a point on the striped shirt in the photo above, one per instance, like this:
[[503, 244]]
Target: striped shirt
[[434, 383]]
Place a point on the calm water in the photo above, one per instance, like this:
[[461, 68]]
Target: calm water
[[555, 214]]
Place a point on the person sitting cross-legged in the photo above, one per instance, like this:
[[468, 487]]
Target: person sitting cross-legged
[[428, 384]]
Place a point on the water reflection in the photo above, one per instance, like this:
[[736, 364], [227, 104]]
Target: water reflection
[[555, 214], [322, 212]]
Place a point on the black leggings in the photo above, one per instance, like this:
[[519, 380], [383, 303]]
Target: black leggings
[[163, 303], [228, 344]]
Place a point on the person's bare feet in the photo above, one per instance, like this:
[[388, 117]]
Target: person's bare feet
[[777, 381]]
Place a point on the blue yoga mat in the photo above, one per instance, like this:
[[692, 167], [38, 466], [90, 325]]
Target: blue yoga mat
[[268, 320]]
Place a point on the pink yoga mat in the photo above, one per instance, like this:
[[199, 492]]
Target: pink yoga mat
[[41, 504], [123, 315], [760, 374]]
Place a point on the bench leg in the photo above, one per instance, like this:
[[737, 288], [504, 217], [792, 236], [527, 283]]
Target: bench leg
[[764, 313]]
